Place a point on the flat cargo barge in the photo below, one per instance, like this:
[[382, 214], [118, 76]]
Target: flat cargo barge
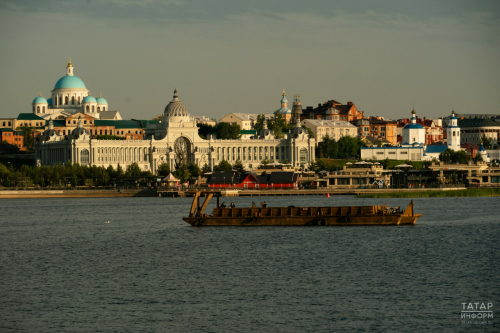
[[297, 216]]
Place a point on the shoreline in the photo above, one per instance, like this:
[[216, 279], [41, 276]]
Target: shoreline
[[361, 193], [36, 194], [475, 192]]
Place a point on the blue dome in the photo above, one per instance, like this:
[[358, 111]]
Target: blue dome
[[101, 100], [49, 101], [413, 126], [284, 100], [39, 99], [89, 99], [69, 82]]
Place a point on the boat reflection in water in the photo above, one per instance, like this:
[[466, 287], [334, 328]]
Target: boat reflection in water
[[296, 216]]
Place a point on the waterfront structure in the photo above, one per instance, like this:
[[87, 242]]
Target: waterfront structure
[[245, 120], [173, 140], [250, 180], [356, 176], [70, 96], [334, 129], [479, 174]]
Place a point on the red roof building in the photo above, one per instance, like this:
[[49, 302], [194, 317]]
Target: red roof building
[[252, 180]]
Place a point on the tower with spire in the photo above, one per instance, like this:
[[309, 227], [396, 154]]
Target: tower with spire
[[453, 133], [69, 68]]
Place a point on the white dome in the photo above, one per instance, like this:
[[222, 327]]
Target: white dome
[[176, 109]]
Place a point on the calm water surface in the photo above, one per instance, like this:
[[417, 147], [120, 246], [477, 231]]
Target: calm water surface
[[64, 269]]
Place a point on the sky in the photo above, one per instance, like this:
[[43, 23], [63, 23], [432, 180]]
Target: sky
[[224, 56]]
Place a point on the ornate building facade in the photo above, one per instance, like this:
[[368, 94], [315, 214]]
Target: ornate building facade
[[175, 141]]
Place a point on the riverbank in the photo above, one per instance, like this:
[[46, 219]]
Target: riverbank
[[34, 194], [362, 193], [476, 192]]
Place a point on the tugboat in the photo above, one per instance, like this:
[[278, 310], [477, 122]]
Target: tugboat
[[296, 216]]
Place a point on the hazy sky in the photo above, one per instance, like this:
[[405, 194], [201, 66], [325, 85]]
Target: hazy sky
[[236, 56]]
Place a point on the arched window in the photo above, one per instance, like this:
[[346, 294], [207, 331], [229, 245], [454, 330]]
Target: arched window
[[33, 109], [93, 108], [84, 157], [87, 108], [103, 108], [73, 100], [78, 99], [37, 109], [98, 108], [43, 109], [3, 124], [60, 100], [66, 100]]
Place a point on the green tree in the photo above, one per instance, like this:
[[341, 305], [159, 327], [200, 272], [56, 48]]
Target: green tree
[[119, 171], [259, 122], [163, 169], [451, 156], [194, 170], [3, 171], [238, 166], [182, 173], [224, 166], [133, 170], [28, 136], [486, 142], [228, 131], [478, 158], [277, 124], [205, 168], [204, 130]]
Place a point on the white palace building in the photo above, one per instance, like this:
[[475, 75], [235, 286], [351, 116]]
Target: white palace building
[[174, 140]]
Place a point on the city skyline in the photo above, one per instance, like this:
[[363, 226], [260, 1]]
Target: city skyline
[[224, 57]]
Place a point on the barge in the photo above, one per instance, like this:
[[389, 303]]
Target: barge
[[296, 216]]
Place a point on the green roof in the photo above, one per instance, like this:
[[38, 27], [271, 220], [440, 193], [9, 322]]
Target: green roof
[[477, 122], [11, 130], [248, 132], [145, 123], [28, 116], [119, 123]]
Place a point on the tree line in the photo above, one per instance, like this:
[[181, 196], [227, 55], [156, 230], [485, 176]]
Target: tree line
[[345, 147]]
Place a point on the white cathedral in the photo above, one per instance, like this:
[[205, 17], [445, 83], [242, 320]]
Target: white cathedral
[[174, 140], [70, 96]]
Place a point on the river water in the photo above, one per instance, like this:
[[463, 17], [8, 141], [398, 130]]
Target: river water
[[64, 269]]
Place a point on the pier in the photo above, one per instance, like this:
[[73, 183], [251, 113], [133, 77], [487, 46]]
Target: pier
[[174, 193]]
